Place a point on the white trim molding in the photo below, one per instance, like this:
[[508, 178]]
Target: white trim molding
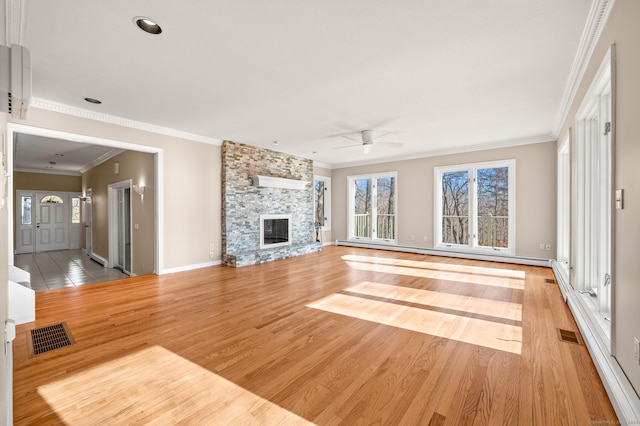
[[191, 267], [597, 18], [119, 121]]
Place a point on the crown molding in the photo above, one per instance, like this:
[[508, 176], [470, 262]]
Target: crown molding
[[596, 20], [104, 157], [454, 150], [322, 165], [48, 172], [119, 121]]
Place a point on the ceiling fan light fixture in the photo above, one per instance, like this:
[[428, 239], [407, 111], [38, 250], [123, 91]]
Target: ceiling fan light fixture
[[147, 25], [367, 148]]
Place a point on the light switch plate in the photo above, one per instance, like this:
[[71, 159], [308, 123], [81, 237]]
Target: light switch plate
[[619, 199]]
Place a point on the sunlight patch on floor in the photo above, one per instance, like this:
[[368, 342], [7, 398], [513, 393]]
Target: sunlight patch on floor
[[465, 277], [489, 334], [452, 267], [157, 386], [475, 305]]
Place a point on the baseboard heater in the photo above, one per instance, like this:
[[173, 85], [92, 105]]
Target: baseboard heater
[[532, 261]]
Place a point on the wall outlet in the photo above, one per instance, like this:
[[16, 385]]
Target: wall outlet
[[548, 247], [636, 350], [413, 237], [211, 250], [426, 238], [541, 246]]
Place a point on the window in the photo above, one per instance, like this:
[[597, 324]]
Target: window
[[594, 203], [372, 207], [51, 199], [475, 206], [75, 210], [322, 202], [564, 206], [26, 210]]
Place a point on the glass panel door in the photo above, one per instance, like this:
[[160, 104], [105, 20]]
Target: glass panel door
[[493, 207], [455, 207], [362, 218], [385, 208]]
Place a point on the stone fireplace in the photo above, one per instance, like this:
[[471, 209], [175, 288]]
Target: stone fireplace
[[261, 190]]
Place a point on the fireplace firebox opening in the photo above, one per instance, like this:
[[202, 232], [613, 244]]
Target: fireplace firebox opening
[[275, 230]]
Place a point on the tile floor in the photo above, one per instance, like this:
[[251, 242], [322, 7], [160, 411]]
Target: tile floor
[[63, 268]]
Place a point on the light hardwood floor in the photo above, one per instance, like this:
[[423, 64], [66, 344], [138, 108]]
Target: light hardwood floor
[[345, 336]]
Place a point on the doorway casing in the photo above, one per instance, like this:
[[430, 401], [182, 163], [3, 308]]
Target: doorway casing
[[13, 128]]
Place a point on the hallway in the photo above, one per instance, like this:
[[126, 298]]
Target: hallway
[[63, 268]]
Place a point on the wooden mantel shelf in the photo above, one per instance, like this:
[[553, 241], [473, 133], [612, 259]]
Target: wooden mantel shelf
[[276, 182]]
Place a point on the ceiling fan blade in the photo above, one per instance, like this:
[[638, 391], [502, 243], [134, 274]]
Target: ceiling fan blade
[[347, 146], [351, 138], [380, 136], [395, 144]]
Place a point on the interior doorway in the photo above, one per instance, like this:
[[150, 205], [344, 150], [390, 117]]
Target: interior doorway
[[14, 129], [120, 242]]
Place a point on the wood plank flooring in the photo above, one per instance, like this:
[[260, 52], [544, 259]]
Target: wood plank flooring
[[345, 336]]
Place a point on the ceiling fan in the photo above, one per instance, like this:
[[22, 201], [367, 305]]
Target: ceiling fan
[[367, 140]]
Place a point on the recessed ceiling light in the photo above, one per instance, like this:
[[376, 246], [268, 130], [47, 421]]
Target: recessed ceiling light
[[147, 25], [276, 143], [93, 101]]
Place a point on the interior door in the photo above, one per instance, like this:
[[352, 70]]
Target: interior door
[[120, 241], [124, 230], [25, 222], [87, 221], [52, 224]]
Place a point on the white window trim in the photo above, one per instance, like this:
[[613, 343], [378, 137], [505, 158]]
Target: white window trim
[[564, 207], [472, 246], [327, 200], [594, 236], [351, 206]]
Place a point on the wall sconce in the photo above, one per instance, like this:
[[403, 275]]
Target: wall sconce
[[138, 190]]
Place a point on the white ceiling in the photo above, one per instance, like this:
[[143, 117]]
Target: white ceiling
[[37, 153], [440, 76]]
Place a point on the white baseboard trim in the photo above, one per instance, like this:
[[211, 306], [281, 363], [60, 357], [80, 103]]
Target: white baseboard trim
[[190, 267], [532, 261], [623, 397], [101, 260]]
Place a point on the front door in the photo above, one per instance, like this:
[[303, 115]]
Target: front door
[[52, 221]]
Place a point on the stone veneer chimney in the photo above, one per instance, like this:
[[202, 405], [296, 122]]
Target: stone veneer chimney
[[243, 203]]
